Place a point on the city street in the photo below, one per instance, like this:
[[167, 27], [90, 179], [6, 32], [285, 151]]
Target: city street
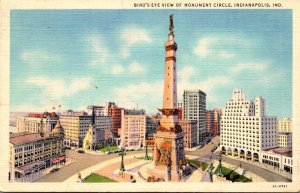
[[267, 175], [85, 160], [82, 161]]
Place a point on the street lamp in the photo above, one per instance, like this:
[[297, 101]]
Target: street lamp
[[122, 167], [211, 168], [219, 171], [146, 156]]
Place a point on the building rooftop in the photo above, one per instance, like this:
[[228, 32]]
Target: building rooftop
[[282, 151], [195, 91], [25, 137]]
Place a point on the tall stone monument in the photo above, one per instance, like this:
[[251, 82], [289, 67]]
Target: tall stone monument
[[169, 153]]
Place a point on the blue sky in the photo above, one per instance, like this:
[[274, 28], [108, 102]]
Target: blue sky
[[80, 57]]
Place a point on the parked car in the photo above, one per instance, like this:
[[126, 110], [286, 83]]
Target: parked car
[[54, 170], [81, 151]]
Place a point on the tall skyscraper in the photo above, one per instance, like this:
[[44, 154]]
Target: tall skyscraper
[[194, 108], [246, 130]]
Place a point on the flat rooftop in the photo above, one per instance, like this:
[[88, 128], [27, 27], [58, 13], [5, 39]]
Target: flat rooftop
[[25, 137], [282, 151]]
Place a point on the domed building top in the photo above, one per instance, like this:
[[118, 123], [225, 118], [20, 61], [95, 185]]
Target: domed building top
[[58, 129]]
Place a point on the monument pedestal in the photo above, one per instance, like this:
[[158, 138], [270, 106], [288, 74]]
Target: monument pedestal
[[169, 154]]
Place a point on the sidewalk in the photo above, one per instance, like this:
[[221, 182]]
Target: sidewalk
[[263, 166]]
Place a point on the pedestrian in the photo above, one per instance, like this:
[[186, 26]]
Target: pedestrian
[[132, 180]]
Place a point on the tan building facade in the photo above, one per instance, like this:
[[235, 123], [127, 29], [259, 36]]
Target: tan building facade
[[36, 124], [32, 152], [133, 129], [76, 127], [285, 125], [285, 139]]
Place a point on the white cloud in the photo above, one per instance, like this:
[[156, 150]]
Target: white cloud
[[132, 68], [131, 36], [39, 57], [100, 54], [276, 75], [203, 48], [28, 107], [134, 35], [248, 66], [226, 54], [186, 72], [136, 68], [54, 89], [208, 86], [117, 69], [146, 95], [220, 45]]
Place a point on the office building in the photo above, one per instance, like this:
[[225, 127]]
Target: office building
[[217, 121], [194, 108], [285, 139], [76, 127], [285, 125], [245, 129], [98, 110], [31, 152], [37, 122], [210, 121], [189, 128], [133, 129], [115, 112]]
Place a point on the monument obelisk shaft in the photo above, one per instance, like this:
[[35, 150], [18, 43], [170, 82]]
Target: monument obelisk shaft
[[168, 147], [169, 110]]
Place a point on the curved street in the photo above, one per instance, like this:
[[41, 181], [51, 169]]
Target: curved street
[[83, 161]]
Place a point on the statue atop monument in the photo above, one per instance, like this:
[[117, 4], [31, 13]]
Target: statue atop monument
[[171, 27]]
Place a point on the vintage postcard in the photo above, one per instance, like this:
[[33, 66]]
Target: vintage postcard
[[150, 96]]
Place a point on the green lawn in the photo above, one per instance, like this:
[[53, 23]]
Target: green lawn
[[97, 178], [111, 148], [233, 175]]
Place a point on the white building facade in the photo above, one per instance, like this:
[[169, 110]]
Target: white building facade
[[133, 129], [278, 158], [194, 108], [98, 110], [245, 129]]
